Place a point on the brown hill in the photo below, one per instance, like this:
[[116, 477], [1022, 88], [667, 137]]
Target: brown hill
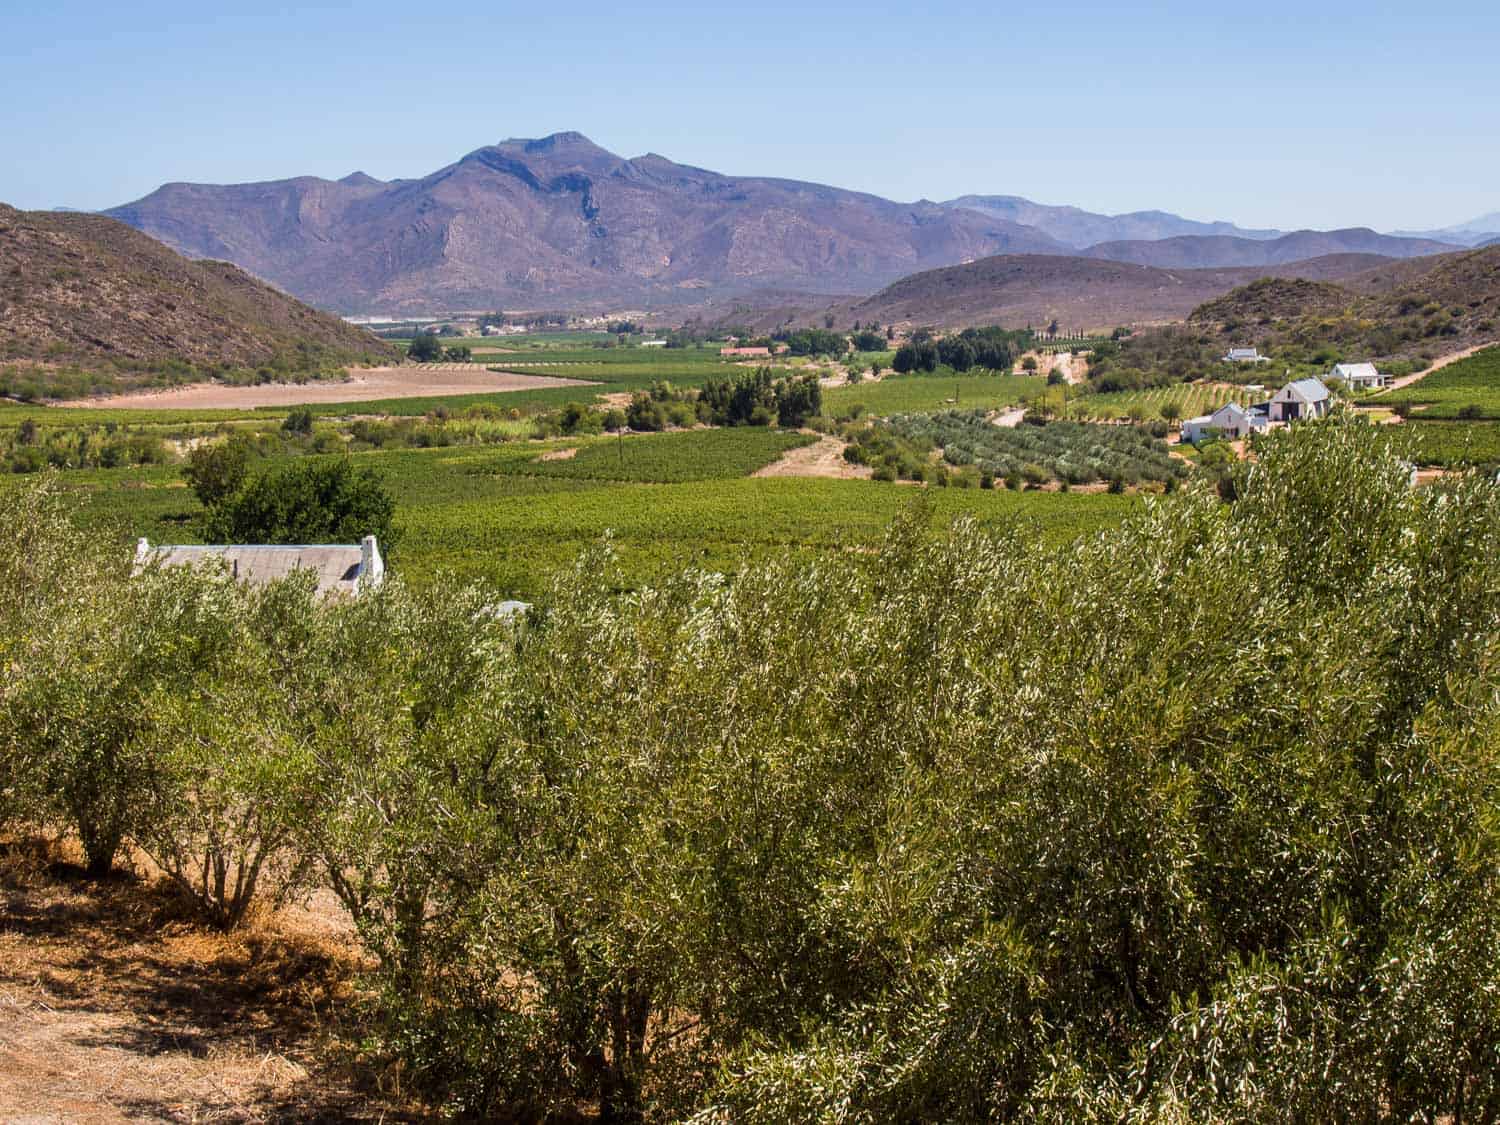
[[1269, 299], [87, 292], [1080, 293], [534, 222], [1222, 251]]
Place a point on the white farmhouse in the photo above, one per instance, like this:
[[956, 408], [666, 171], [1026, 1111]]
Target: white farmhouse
[[1231, 420], [340, 568], [1245, 355], [1305, 398], [1359, 376]]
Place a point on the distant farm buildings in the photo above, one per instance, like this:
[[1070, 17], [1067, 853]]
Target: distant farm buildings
[[744, 352], [1305, 398], [340, 568], [1359, 376], [653, 343]]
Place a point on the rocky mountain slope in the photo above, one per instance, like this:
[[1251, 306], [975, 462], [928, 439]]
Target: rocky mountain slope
[[535, 222], [85, 291]]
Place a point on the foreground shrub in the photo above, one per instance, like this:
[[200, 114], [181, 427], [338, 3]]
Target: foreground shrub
[[1195, 819]]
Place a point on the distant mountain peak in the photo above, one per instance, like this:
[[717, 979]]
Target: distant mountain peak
[[360, 179]]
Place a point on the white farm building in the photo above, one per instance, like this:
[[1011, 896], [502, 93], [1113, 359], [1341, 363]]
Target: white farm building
[[1359, 376], [340, 568]]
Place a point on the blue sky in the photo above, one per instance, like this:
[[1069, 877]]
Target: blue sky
[[1273, 114]]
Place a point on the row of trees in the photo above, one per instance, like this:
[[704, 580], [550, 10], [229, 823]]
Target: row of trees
[[1191, 820], [993, 349], [758, 398]]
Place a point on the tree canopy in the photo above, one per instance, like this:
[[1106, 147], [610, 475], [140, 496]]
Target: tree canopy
[[311, 500]]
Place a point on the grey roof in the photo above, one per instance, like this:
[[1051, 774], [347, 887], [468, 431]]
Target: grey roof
[[1355, 371], [1232, 408], [1311, 390], [338, 566]]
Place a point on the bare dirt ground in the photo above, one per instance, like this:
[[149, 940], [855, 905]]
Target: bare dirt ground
[[559, 454], [363, 385], [1437, 365], [824, 458], [1009, 419], [1074, 368], [115, 1007]]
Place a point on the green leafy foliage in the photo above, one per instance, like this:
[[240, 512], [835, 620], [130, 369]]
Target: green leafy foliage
[[758, 398], [308, 501], [1189, 819]]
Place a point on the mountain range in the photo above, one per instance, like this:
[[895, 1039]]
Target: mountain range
[[561, 221], [1483, 231]]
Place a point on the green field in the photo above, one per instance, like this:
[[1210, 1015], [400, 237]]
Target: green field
[[1454, 444], [1468, 386], [497, 513], [1191, 400], [911, 394]]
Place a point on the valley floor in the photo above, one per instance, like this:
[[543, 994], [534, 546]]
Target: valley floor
[[365, 384]]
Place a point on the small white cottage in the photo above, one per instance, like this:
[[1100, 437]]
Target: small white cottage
[[1359, 376], [340, 568]]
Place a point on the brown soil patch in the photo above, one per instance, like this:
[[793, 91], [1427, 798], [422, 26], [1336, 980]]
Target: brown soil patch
[[115, 1006], [620, 399], [824, 458], [559, 455], [363, 384]]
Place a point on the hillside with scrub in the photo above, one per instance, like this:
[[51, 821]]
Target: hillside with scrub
[[88, 304], [1397, 310], [1168, 821]]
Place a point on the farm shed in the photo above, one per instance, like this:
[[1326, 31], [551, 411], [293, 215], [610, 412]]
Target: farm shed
[[1305, 398]]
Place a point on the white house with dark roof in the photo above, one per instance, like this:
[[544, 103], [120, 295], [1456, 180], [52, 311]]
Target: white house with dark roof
[[1359, 376], [1231, 420], [340, 568], [1304, 398]]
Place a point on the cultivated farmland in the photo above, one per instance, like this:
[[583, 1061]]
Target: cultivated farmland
[[1077, 453], [1468, 388]]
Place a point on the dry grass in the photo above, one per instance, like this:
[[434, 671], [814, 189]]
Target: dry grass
[[824, 458], [363, 385], [116, 1006]]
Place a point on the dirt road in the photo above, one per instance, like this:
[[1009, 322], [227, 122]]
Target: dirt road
[[1009, 419], [824, 458]]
